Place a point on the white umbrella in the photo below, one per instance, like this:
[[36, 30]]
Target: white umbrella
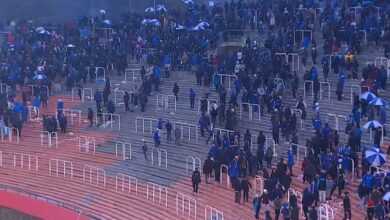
[[180, 27], [40, 77], [101, 11], [379, 102], [155, 22], [70, 46], [188, 2], [369, 96], [107, 22], [204, 24], [149, 10], [198, 28], [161, 8], [45, 32], [375, 157], [386, 197], [211, 4], [145, 21]]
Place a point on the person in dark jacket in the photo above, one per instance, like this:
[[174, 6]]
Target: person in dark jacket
[[237, 190], [176, 91], [313, 215], [322, 188], [256, 205], [347, 206], [195, 180], [169, 128], [245, 185], [126, 100], [307, 200], [208, 168]]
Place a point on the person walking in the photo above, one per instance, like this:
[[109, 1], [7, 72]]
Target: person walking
[[347, 206], [245, 186], [195, 180], [126, 100], [277, 206], [176, 91], [90, 117], [177, 136], [192, 98], [256, 205], [168, 126], [144, 149]]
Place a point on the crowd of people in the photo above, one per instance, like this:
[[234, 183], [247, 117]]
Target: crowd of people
[[168, 40]]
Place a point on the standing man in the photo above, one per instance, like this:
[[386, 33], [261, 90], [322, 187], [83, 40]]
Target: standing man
[[176, 91], [347, 206], [208, 168], [177, 136], [144, 148], [195, 180], [168, 126], [126, 100], [256, 205], [192, 98], [90, 117]]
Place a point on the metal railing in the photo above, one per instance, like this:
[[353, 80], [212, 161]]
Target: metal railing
[[300, 112], [229, 78], [162, 193], [37, 86], [298, 195], [336, 119], [112, 118], [11, 132], [302, 33], [35, 110], [326, 212], [299, 148], [209, 102], [191, 127], [358, 88], [32, 160], [195, 162], [211, 213], [267, 140], [227, 174], [162, 102], [322, 84], [251, 109], [50, 137], [131, 71], [72, 113], [4, 88], [121, 180], [161, 154], [222, 131], [100, 74], [385, 62], [64, 164], [150, 121], [116, 91], [186, 206], [120, 148], [87, 143], [100, 174]]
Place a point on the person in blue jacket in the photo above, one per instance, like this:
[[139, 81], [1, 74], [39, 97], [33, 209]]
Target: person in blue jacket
[[60, 107], [192, 96], [234, 169], [368, 182], [157, 138], [290, 161]]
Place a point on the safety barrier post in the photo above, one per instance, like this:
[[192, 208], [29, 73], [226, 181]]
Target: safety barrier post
[[73, 113], [211, 213], [300, 112], [75, 90], [160, 101], [86, 91], [64, 163], [336, 127], [116, 91], [170, 97], [312, 89], [193, 126], [295, 62], [183, 202], [11, 132], [53, 136], [123, 179], [322, 84], [32, 159], [161, 153], [162, 193], [227, 174], [283, 54], [98, 71], [195, 161], [121, 147], [33, 110], [4, 88], [100, 174], [112, 118]]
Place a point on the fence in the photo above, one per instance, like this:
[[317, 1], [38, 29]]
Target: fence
[[111, 119], [150, 120], [336, 120], [229, 78], [64, 163], [131, 181], [385, 62], [1, 158], [73, 113], [251, 108], [162, 193], [100, 174], [131, 71], [35, 110], [32, 160], [50, 137], [86, 143], [211, 213], [326, 212], [302, 33], [227, 174], [322, 84], [267, 140], [300, 112], [305, 84], [116, 91], [162, 102], [191, 127], [299, 150], [186, 206], [222, 132], [4, 88], [295, 62], [196, 163], [100, 74], [259, 184], [11, 132], [160, 154], [123, 146]]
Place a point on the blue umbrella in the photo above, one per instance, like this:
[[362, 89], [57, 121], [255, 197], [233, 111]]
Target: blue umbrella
[[145, 21], [203, 24], [375, 156], [149, 10], [155, 22], [198, 28], [107, 22], [372, 124], [40, 77], [379, 102], [369, 96], [180, 27]]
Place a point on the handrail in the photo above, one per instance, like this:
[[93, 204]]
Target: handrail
[[31, 159], [160, 154], [229, 76], [98, 171], [88, 141], [211, 213], [181, 201], [322, 90], [196, 163], [162, 190], [111, 116], [131, 71], [193, 126], [97, 76], [227, 174], [250, 110], [123, 146], [65, 163], [355, 87], [69, 206], [73, 113], [312, 88], [130, 180]]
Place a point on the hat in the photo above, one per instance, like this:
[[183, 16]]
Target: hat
[[265, 191]]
